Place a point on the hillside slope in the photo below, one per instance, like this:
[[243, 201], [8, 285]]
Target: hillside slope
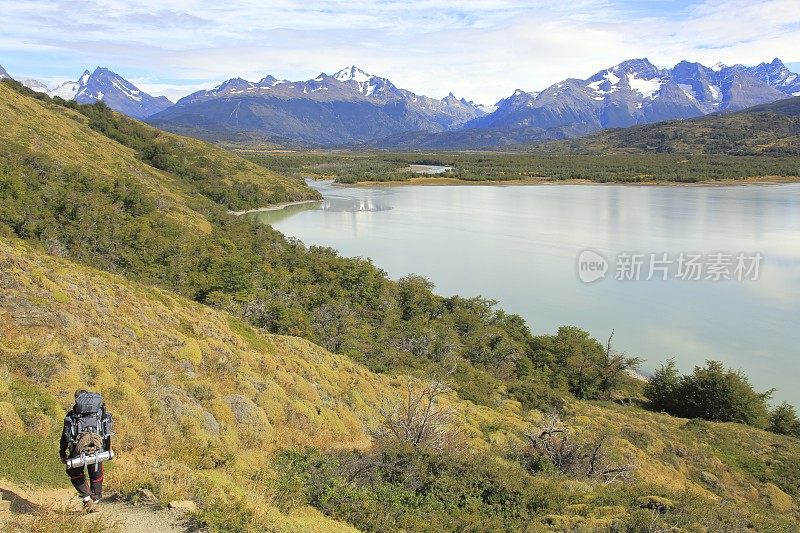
[[39, 127], [202, 401], [769, 129]]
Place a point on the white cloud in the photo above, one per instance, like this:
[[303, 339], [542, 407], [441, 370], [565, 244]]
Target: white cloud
[[479, 49]]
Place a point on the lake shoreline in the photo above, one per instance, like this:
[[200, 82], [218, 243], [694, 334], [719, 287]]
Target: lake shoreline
[[276, 207], [442, 181]]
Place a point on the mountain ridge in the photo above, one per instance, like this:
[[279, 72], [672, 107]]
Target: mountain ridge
[[352, 107], [102, 84], [633, 92], [348, 107], [118, 93]]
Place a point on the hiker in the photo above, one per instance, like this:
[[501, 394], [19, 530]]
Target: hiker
[[87, 431]]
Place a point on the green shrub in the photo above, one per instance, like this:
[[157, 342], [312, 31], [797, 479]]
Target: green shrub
[[404, 488]]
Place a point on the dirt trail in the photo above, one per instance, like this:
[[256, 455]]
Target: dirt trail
[[124, 516]]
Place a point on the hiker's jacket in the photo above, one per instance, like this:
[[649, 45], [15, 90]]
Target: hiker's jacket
[[67, 437]]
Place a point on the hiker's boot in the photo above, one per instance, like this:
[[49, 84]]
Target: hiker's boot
[[90, 506]]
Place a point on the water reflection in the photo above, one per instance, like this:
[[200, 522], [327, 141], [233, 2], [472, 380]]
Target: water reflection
[[344, 204]]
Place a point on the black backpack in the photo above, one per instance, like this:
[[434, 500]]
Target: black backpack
[[91, 425]]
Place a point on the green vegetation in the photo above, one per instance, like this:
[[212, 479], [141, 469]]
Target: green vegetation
[[346, 167], [783, 421], [203, 169], [30, 459], [401, 488], [711, 393], [346, 305]]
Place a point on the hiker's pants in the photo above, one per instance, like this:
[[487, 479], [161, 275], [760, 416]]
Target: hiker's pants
[[95, 489]]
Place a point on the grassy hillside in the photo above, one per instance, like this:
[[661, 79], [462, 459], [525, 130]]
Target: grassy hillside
[[203, 402], [73, 137], [194, 391], [769, 129]]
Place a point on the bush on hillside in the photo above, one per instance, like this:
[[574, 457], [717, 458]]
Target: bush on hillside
[[711, 393], [783, 421]]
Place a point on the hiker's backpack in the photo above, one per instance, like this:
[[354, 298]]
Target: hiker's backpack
[[91, 425]]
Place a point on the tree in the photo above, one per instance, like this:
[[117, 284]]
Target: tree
[[723, 395], [416, 299], [614, 366], [783, 421], [662, 389], [711, 392], [588, 369], [554, 443], [418, 418]]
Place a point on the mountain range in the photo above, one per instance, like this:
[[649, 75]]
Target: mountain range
[[348, 107], [630, 93], [354, 108]]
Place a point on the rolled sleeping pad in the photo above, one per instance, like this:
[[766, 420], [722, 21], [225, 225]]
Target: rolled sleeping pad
[[92, 459]]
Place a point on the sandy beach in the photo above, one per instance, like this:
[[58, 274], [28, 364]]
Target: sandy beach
[[276, 207]]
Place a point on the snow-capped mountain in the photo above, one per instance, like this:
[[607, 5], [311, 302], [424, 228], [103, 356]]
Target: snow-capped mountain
[[30, 83], [35, 85], [350, 106], [67, 90], [117, 92], [102, 84], [350, 83], [637, 92], [776, 75]]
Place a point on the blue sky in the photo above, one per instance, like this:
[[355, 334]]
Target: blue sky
[[479, 49]]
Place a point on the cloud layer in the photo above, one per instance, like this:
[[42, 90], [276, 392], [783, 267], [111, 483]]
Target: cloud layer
[[479, 49]]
